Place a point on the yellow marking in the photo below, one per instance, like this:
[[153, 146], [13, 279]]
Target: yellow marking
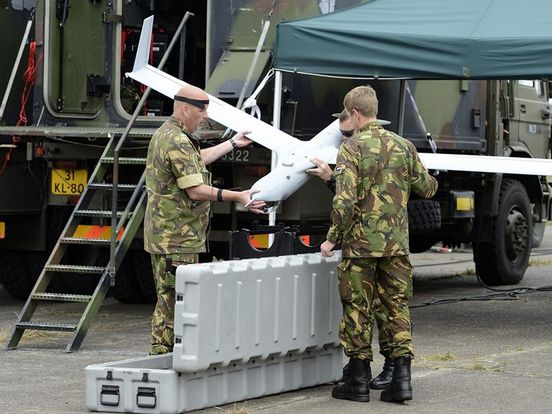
[[68, 182], [2, 230], [464, 204]]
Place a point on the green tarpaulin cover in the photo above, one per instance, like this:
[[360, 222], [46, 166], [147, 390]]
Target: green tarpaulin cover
[[423, 39]]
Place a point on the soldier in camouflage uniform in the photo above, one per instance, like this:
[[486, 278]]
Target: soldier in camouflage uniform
[[325, 173], [179, 202], [375, 172]]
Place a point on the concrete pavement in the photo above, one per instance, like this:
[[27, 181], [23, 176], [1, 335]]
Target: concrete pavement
[[472, 356]]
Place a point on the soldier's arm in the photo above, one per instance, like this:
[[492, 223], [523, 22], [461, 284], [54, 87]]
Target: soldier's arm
[[423, 184], [346, 178], [209, 155], [203, 192], [324, 172], [189, 178]]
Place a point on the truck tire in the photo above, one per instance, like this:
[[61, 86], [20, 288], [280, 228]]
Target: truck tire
[[504, 260], [424, 217], [144, 274], [127, 289], [421, 243], [538, 233], [19, 271]]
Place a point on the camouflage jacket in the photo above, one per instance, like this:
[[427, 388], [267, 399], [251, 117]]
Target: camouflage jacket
[[173, 222], [375, 172]]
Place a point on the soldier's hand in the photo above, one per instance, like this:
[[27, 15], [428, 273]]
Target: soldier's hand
[[255, 206], [241, 140], [326, 249], [322, 170]]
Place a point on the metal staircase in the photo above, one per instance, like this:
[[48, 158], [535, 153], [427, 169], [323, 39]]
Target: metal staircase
[[81, 257]]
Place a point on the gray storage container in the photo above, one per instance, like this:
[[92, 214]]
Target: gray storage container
[[150, 385], [253, 308]]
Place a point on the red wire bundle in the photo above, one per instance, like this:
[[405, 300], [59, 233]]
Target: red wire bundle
[[28, 78]]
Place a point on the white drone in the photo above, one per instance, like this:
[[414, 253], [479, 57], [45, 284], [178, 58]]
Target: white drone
[[293, 155]]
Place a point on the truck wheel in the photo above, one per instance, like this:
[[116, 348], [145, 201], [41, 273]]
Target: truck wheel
[[422, 243], [504, 260], [538, 233], [127, 288], [144, 274], [19, 271], [424, 221], [424, 216]]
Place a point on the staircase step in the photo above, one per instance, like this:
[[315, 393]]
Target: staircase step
[[44, 326], [97, 213], [124, 160], [79, 240], [74, 269], [104, 186], [99, 185], [61, 297]]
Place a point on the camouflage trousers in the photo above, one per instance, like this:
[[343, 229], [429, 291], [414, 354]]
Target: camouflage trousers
[[380, 317], [162, 322], [361, 280]]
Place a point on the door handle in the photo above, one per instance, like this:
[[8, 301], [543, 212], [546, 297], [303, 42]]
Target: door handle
[[522, 108]]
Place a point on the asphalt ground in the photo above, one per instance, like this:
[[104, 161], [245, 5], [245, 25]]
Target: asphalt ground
[[473, 354]]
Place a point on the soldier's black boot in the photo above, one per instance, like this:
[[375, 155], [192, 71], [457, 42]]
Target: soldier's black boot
[[383, 380], [346, 373], [356, 388], [400, 388]]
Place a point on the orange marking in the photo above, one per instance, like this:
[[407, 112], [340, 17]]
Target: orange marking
[[259, 241], [96, 232]]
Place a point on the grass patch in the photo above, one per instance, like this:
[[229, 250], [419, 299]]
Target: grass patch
[[481, 367], [440, 357], [237, 409], [58, 312], [468, 272], [4, 335], [540, 262], [39, 334]]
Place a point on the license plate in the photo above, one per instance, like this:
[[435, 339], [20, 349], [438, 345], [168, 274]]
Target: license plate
[[2, 230], [68, 182]]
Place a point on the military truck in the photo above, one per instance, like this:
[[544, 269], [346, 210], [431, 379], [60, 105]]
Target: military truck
[[75, 57], [76, 97], [502, 216]]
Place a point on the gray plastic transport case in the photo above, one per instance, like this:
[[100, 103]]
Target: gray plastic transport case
[[243, 329], [242, 309], [149, 385]]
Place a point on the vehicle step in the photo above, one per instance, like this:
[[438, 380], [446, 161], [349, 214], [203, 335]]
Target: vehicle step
[[44, 326], [124, 160], [96, 213], [79, 240], [61, 297], [74, 269], [109, 187]]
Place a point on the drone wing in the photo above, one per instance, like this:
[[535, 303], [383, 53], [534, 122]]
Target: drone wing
[[487, 164]]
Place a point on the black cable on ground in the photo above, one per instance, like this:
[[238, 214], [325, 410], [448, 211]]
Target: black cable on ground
[[500, 294]]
